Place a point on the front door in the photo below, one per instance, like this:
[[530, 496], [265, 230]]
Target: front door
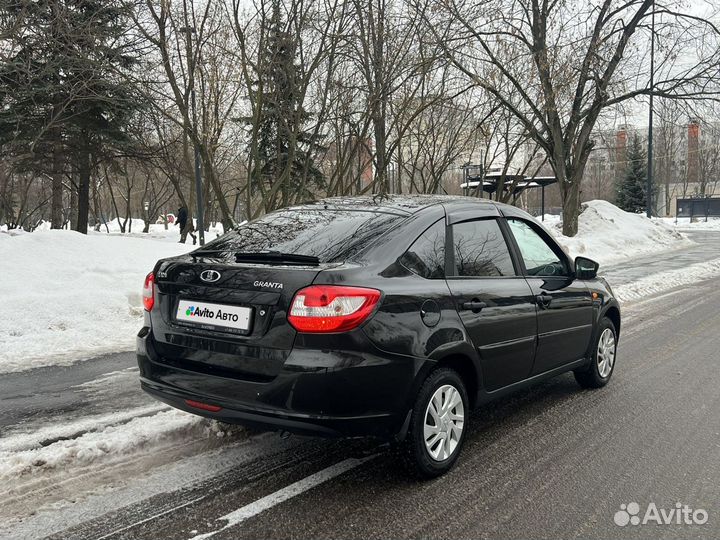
[[494, 301], [565, 312]]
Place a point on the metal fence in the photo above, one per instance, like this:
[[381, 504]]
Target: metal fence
[[698, 207]]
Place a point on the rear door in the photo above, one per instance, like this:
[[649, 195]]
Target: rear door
[[494, 301], [565, 312]]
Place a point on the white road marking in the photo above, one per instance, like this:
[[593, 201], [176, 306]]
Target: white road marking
[[173, 509], [282, 495]]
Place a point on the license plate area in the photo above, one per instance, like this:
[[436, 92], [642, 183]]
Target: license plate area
[[217, 317]]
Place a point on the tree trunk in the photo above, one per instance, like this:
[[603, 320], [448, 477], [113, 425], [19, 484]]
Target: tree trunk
[[226, 215], [56, 210], [570, 191], [83, 192], [381, 176], [73, 214]]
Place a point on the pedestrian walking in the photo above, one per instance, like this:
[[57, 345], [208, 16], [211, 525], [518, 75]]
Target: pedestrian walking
[[186, 226]]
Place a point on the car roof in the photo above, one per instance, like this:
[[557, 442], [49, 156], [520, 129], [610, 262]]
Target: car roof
[[401, 204]]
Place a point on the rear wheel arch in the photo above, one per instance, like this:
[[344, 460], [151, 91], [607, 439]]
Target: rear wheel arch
[[465, 367]]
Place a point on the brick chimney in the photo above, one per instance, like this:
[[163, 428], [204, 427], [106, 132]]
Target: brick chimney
[[621, 143], [693, 156]]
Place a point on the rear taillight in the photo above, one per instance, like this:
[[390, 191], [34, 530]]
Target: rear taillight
[[149, 292], [331, 308]]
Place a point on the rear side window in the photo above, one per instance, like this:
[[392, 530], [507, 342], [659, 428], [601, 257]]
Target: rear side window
[[426, 256], [329, 235], [480, 249]]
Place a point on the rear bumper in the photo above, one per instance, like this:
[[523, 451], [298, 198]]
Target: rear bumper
[[320, 393]]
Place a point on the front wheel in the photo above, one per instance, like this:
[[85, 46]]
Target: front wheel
[[603, 363], [437, 425]]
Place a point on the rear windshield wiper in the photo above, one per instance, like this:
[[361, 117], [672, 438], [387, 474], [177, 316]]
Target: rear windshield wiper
[[276, 257]]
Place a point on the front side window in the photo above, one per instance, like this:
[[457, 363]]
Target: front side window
[[540, 259], [480, 249], [426, 256]]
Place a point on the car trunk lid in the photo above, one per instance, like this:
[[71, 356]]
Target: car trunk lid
[[264, 291]]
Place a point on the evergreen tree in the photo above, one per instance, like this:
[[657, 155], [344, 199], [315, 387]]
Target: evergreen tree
[[63, 103], [286, 167], [632, 190]]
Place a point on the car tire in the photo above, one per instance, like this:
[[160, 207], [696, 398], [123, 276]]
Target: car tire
[[430, 456], [602, 365]]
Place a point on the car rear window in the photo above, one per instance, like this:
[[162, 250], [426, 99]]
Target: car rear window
[[329, 235]]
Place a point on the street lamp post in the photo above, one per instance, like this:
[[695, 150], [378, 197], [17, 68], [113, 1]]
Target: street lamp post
[[189, 31], [648, 196]]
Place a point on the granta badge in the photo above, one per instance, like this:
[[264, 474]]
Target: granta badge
[[268, 284]]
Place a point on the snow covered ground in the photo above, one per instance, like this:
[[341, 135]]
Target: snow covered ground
[[156, 232], [68, 296], [669, 279], [112, 441], [134, 227], [685, 224], [610, 235]]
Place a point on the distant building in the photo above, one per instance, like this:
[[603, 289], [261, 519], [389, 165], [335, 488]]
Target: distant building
[[686, 162]]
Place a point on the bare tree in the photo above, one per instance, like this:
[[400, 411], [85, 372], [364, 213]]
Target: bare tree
[[669, 162], [570, 62], [311, 34], [198, 91], [438, 139], [395, 65]]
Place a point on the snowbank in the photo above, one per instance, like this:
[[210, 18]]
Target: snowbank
[[684, 224], [610, 235], [108, 443], [663, 281], [67, 296]]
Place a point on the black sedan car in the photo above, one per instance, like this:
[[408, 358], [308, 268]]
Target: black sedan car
[[376, 316]]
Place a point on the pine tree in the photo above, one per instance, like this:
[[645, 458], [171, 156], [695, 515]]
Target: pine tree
[[285, 166], [63, 104], [631, 191]]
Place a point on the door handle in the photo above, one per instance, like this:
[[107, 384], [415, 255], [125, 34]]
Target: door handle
[[475, 305], [544, 299]]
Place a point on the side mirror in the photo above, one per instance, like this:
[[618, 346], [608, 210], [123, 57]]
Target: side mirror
[[585, 268]]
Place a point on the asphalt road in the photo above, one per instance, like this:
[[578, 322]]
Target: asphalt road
[[554, 461], [52, 394]]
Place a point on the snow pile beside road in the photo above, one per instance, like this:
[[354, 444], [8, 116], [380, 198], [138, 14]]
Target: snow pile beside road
[[109, 443], [21, 437], [610, 235], [660, 282], [67, 296]]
